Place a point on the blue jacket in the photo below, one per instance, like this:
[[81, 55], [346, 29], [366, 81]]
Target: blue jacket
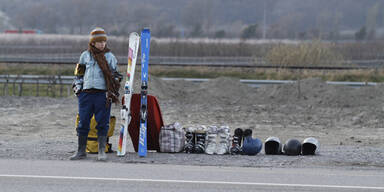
[[93, 76]]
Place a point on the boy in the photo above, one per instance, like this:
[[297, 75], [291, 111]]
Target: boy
[[96, 86]]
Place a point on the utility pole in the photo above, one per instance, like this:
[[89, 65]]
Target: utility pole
[[265, 21]]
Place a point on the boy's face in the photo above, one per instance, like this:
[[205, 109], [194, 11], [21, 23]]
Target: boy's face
[[100, 45]]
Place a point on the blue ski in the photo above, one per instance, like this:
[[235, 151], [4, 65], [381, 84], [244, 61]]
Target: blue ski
[[145, 44]]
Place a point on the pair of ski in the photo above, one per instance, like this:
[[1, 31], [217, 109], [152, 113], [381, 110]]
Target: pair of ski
[[134, 41]]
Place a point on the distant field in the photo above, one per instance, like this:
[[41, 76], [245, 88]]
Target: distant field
[[281, 52], [31, 43]]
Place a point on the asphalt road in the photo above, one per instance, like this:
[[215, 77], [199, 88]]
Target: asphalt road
[[43, 176]]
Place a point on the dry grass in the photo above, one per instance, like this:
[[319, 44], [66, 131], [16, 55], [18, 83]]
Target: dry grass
[[271, 74], [35, 90], [208, 72], [374, 75], [314, 53], [36, 69], [32, 44]]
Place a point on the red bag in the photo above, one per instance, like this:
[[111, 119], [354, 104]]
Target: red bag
[[154, 122]]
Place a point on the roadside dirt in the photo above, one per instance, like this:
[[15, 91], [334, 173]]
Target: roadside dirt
[[348, 122]]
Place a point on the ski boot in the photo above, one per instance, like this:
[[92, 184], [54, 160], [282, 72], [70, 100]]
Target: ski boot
[[223, 133], [190, 140], [247, 133], [236, 141], [200, 135], [211, 140]]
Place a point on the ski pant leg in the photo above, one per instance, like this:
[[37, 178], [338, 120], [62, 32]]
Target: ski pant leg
[[85, 113], [102, 114]]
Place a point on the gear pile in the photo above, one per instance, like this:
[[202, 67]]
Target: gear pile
[[217, 140]]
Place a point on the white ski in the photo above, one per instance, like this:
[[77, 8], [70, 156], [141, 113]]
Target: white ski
[[134, 41]]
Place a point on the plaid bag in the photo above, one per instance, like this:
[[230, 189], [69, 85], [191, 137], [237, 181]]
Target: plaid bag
[[171, 138]]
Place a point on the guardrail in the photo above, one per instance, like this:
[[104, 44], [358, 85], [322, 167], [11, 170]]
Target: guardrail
[[258, 83], [59, 85]]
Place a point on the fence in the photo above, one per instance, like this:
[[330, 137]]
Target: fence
[[154, 60], [37, 85], [60, 86]]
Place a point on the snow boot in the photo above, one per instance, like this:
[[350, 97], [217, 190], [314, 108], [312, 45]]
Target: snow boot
[[236, 141], [247, 133], [190, 140], [223, 146], [200, 141], [82, 145], [102, 140], [211, 140]]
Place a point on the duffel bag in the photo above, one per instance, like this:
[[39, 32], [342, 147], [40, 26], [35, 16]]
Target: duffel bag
[[171, 138]]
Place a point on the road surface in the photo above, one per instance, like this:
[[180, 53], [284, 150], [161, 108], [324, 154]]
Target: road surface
[[44, 176]]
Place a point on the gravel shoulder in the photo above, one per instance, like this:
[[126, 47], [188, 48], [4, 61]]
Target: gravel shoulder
[[347, 121]]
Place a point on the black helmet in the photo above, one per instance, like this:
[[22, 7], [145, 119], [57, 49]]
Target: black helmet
[[272, 146], [292, 147], [309, 146]]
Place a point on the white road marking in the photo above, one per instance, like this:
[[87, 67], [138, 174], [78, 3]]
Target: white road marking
[[195, 182]]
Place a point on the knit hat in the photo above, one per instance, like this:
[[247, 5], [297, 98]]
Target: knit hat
[[98, 34]]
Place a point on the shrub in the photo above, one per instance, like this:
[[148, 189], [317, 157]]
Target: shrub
[[314, 53]]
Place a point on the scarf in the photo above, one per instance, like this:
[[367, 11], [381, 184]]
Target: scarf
[[113, 85]]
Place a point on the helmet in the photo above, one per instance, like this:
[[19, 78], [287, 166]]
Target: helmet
[[251, 146], [272, 146], [292, 147], [309, 146]]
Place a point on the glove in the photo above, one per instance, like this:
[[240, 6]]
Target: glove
[[117, 76], [77, 89]]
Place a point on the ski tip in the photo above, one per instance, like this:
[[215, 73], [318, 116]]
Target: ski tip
[[133, 34], [145, 30]]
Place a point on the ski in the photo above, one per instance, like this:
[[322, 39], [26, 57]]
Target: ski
[[125, 113], [145, 44]]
